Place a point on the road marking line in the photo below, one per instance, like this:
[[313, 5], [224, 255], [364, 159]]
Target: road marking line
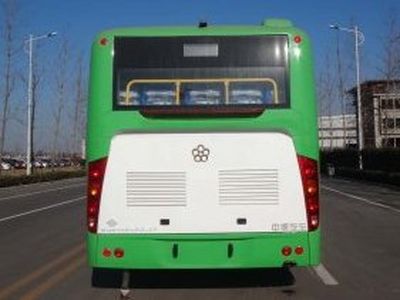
[[40, 192], [360, 199], [40, 209], [325, 276], [5, 293], [54, 279], [62, 182]]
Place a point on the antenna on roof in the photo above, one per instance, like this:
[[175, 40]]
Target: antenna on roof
[[203, 24]]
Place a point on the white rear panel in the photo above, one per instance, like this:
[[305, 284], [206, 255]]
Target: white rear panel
[[202, 183]]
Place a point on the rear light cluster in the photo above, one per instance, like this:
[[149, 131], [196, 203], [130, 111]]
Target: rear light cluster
[[95, 184], [287, 250], [118, 252], [309, 176]]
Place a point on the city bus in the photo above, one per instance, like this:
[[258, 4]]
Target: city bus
[[202, 148]]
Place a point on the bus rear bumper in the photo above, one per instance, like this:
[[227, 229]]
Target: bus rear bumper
[[202, 251]]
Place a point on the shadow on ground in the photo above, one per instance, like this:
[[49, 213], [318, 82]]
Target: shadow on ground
[[108, 278]]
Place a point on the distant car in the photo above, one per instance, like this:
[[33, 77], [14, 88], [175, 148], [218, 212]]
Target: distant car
[[46, 163], [37, 164], [22, 164], [15, 163], [5, 166], [64, 162], [60, 163], [67, 162]]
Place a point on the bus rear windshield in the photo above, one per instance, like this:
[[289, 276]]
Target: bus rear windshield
[[201, 71]]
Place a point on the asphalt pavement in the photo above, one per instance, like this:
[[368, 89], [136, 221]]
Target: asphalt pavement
[[42, 252]]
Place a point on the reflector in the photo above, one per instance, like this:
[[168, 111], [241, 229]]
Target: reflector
[[286, 251], [299, 250], [107, 252], [118, 253], [103, 41], [297, 39]]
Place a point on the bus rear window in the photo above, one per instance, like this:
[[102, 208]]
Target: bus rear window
[[199, 92], [201, 72]]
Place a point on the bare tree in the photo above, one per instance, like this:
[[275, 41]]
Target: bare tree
[[61, 86], [8, 37], [390, 59], [326, 93], [341, 89], [389, 67], [79, 104]]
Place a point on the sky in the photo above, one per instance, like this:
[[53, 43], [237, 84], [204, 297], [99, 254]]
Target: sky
[[80, 20]]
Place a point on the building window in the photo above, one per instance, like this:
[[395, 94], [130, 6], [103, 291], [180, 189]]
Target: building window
[[388, 123], [350, 123], [387, 103], [389, 143], [398, 123], [397, 103]]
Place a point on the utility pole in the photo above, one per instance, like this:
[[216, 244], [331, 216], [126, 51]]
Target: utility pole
[[29, 143], [359, 39]]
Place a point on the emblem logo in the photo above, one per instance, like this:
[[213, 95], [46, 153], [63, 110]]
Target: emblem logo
[[200, 153], [112, 223]]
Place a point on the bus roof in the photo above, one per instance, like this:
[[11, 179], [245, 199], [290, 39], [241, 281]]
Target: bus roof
[[271, 26]]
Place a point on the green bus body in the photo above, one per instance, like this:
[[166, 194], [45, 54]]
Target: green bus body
[[252, 250]]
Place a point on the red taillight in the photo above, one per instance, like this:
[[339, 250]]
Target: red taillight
[[297, 39], [286, 251], [309, 177], [103, 41], [299, 250], [118, 253], [95, 184], [107, 252]]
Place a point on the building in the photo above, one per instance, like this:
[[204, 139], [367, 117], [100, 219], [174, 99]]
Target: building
[[380, 110], [338, 131]]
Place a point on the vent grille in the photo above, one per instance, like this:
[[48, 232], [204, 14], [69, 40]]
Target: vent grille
[[249, 187], [155, 188]]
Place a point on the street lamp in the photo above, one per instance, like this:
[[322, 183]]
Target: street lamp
[[359, 39], [30, 94]]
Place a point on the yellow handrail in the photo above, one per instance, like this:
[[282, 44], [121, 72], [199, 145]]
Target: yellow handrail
[[178, 82]]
